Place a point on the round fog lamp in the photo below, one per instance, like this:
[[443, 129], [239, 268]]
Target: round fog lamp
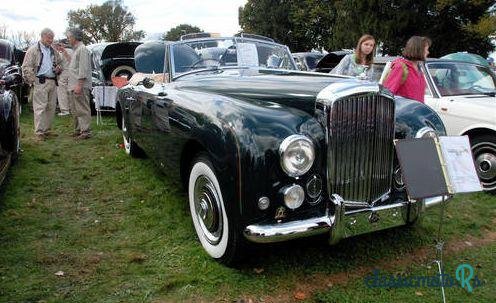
[[294, 196]]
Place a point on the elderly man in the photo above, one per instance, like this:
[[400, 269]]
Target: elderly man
[[39, 69], [79, 84]]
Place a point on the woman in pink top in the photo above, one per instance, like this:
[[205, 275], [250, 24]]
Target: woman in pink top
[[405, 78]]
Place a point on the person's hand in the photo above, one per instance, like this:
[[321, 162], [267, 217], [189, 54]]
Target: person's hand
[[78, 90]]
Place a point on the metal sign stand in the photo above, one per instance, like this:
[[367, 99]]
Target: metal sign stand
[[439, 248], [451, 170]]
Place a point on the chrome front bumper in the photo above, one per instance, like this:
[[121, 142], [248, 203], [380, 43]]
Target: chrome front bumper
[[343, 223]]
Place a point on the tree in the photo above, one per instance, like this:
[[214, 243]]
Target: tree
[[110, 21], [175, 33], [23, 39], [3, 31], [453, 25]]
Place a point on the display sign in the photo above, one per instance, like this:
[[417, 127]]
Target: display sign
[[247, 54], [421, 168], [434, 167], [460, 167]]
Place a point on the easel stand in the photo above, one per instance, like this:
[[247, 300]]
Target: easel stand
[[439, 248], [434, 167]]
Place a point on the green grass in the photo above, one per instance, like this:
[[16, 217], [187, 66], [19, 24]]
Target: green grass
[[121, 232]]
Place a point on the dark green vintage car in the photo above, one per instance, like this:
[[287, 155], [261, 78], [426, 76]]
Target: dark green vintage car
[[268, 153]]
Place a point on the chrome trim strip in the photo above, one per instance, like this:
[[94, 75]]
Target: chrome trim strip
[[341, 223], [360, 132]]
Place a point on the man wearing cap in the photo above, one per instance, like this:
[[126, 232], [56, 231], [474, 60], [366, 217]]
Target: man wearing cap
[[79, 84], [39, 69]]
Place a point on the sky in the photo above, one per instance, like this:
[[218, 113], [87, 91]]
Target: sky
[[153, 16]]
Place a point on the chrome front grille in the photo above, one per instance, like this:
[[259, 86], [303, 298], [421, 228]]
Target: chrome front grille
[[360, 147]]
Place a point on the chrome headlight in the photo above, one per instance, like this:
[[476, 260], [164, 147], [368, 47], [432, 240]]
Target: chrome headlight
[[426, 132], [297, 155]]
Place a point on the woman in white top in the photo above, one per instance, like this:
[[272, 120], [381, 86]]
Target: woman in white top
[[358, 64]]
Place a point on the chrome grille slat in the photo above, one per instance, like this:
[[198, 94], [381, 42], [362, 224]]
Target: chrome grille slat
[[361, 133]]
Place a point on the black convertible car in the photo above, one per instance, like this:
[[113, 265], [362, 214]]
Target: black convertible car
[[9, 121], [10, 61], [269, 153]]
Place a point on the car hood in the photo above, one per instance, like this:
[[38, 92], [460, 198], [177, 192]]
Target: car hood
[[289, 88]]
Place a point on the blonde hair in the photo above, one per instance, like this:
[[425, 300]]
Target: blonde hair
[[369, 59]]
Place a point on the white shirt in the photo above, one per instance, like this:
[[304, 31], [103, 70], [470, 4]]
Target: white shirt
[[46, 68]]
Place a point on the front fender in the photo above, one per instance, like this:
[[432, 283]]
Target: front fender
[[412, 115], [254, 132]]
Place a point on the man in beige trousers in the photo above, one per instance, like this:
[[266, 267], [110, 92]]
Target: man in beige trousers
[[39, 69], [63, 79], [79, 84]]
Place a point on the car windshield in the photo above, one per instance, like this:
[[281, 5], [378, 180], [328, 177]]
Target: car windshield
[[459, 78], [218, 53]]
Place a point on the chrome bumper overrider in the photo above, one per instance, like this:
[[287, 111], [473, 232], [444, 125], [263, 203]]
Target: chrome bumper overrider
[[342, 223]]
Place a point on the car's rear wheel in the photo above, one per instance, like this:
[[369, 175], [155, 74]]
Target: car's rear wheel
[[215, 229], [484, 152], [130, 146]]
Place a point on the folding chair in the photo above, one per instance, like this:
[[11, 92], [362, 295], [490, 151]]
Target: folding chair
[[104, 97]]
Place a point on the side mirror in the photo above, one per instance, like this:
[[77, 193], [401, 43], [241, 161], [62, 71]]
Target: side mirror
[[148, 82]]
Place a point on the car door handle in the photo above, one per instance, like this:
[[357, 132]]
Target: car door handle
[[444, 109]]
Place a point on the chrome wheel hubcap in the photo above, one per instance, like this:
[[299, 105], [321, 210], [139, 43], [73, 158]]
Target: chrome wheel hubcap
[[208, 209], [485, 163]]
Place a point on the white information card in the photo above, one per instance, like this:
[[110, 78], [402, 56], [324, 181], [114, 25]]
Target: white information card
[[460, 164], [247, 54]]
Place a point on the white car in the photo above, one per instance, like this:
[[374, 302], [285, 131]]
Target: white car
[[464, 96]]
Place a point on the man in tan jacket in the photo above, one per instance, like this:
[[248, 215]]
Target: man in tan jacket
[[79, 84], [39, 69]]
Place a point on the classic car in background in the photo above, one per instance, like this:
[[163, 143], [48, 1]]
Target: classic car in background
[[466, 57], [331, 60], [10, 61], [464, 96], [307, 61], [269, 153], [112, 59], [319, 62], [10, 109]]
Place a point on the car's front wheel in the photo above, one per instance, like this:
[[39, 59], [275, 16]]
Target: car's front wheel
[[484, 152], [214, 228]]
